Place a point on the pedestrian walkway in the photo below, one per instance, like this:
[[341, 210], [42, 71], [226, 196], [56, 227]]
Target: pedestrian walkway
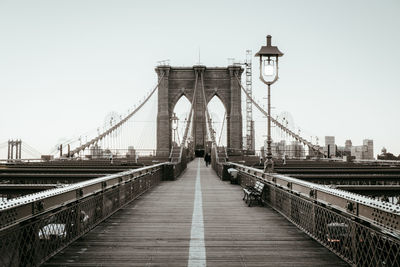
[[197, 220]]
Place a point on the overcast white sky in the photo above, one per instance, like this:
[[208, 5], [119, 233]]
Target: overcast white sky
[[64, 65]]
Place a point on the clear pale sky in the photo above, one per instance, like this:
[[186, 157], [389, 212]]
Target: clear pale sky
[[64, 65]]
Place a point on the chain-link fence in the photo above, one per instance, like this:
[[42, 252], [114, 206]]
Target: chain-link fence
[[355, 241], [33, 241]]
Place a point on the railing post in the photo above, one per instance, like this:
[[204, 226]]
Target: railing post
[[103, 204], [273, 196], [121, 192], [354, 242], [168, 172], [312, 229], [225, 176]]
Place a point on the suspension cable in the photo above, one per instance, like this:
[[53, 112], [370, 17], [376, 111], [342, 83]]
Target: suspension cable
[[208, 119], [189, 122], [116, 126], [222, 127], [281, 126]]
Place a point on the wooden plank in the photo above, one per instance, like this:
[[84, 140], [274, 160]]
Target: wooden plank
[[155, 231]]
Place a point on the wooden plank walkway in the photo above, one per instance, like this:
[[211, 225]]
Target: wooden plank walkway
[[156, 230]]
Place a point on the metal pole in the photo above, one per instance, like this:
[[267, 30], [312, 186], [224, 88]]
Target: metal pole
[[20, 149], [16, 149], [12, 149], [269, 164], [9, 151]]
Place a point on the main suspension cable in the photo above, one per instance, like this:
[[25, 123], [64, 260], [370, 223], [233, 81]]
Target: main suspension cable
[[281, 126], [116, 126]]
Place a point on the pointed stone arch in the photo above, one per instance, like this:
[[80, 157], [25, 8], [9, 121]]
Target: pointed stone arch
[[218, 113], [178, 81], [215, 94], [176, 99]]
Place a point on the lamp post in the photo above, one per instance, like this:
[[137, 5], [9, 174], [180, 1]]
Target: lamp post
[[174, 122], [269, 74]]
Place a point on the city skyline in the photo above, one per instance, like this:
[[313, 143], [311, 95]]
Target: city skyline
[[64, 67]]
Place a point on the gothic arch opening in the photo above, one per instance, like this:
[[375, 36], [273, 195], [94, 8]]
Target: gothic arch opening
[[182, 80], [218, 113], [181, 110]]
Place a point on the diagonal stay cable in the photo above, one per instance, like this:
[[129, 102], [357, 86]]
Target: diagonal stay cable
[[281, 126], [208, 119], [222, 128], [189, 122], [116, 126]]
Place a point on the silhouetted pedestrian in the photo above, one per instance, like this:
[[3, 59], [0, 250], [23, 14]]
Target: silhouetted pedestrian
[[207, 159]]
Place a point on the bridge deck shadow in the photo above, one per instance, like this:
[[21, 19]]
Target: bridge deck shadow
[[155, 230]]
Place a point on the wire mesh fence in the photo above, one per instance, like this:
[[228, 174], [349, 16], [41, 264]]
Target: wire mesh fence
[[31, 242], [352, 240]]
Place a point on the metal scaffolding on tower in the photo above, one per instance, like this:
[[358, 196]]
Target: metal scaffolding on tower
[[248, 139], [250, 146]]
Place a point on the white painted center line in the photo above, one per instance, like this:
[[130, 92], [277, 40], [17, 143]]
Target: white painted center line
[[197, 250]]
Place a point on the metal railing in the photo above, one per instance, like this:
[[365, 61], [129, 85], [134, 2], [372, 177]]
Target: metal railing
[[35, 227], [359, 229], [378, 162]]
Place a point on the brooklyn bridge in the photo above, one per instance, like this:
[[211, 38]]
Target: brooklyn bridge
[[104, 202]]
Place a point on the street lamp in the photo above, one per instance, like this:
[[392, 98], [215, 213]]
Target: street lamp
[[174, 122], [269, 74]]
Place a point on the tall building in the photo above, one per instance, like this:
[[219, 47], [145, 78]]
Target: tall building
[[131, 152], [278, 149], [365, 151], [347, 145], [96, 151], [357, 152], [369, 151], [330, 146], [344, 150], [295, 150]]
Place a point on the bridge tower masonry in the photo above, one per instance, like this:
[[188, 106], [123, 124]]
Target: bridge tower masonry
[[182, 81]]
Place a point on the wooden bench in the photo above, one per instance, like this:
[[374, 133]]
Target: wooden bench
[[253, 193]]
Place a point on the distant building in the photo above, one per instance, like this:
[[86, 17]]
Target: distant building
[[345, 150], [131, 152], [330, 146], [295, 150], [387, 156], [369, 152], [95, 151], [313, 153], [365, 151], [278, 149], [348, 144], [357, 152]]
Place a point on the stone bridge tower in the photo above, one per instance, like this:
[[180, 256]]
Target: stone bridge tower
[[178, 81]]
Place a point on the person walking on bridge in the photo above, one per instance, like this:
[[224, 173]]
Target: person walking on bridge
[[207, 159]]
